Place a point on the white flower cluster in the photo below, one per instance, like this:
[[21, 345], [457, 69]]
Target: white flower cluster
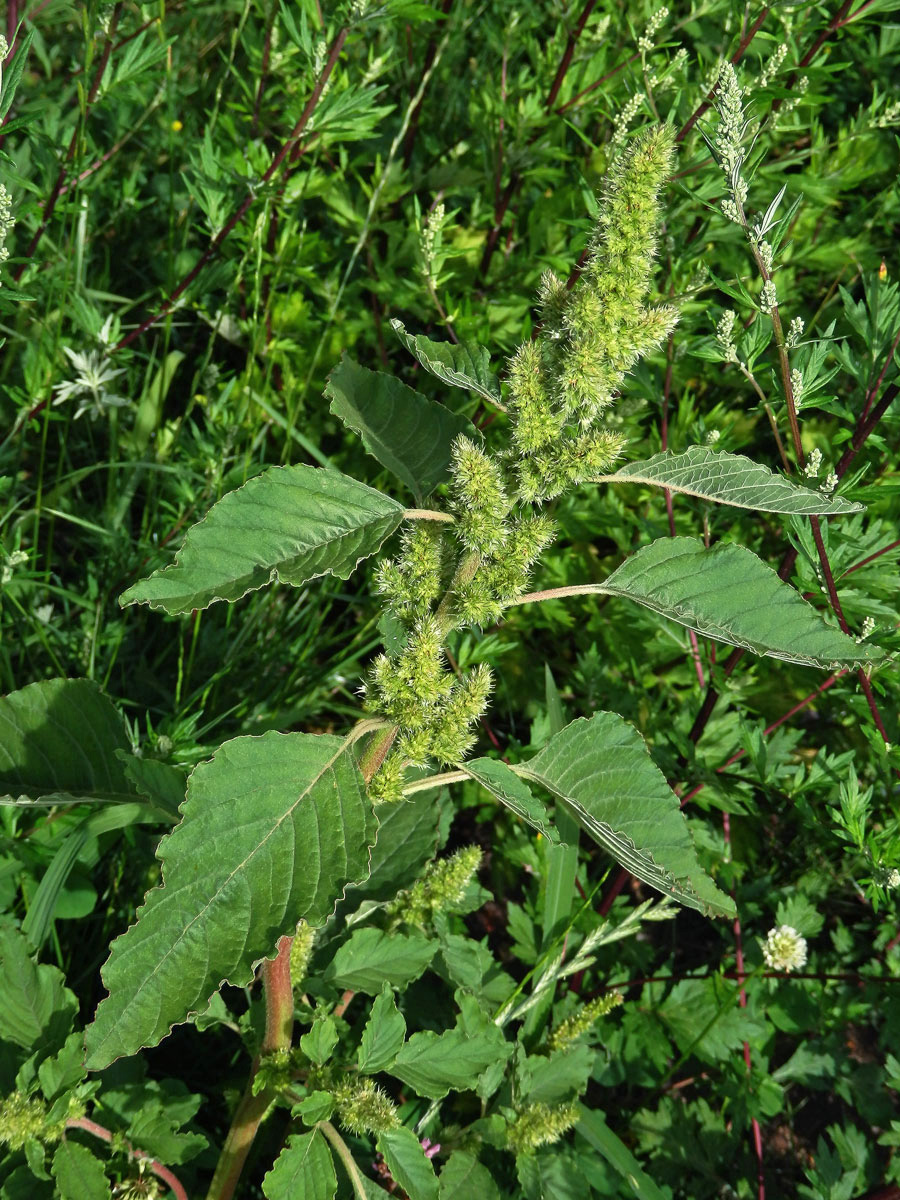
[[725, 335], [624, 119], [646, 40], [729, 141], [6, 220], [768, 297], [813, 463], [773, 66], [794, 333], [784, 949], [797, 388]]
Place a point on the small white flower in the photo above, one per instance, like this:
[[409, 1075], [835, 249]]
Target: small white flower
[[813, 463], [893, 878], [784, 949], [89, 386], [830, 482], [768, 296], [712, 437], [795, 332]]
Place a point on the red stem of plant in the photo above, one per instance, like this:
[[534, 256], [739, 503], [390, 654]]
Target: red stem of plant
[[566, 59], [105, 1135], [239, 214]]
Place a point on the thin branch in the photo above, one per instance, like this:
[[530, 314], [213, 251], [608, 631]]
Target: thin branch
[[105, 1135]]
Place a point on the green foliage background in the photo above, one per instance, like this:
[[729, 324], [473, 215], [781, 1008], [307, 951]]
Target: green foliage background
[[137, 132]]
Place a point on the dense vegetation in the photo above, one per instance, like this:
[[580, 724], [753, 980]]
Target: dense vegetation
[[475, 256]]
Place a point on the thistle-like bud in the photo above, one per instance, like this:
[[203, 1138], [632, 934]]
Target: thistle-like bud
[[301, 952], [23, 1119], [413, 581], [479, 498], [387, 785], [476, 601], [553, 298], [364, 1108], [452, 736], [540, 1125], [537, 423], [442, 887], [581, 1022]]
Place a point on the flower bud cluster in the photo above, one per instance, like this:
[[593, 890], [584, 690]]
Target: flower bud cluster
[[540, 1125], [301, 952], [581, 1022], [6, 221], [414, 689], [412, 582], [561, 383], [442, 887], [364, 1108], [23, 1119]]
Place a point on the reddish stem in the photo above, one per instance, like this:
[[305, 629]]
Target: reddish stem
[[105, 1135], [566, 60]]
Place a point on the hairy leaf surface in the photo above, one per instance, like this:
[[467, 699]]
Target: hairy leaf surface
[[729, 594], [58, 743], [435, 1064], [403, 1153], [408, 433], [371, 957], [466, 365], [273, 828], [292, 524], [600, 769], [730, 479]]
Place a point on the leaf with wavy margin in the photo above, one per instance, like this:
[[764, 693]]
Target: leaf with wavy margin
[[729, 479], [730, 594], [599, 768], [466, 365], [273, 828], [506, 786], [408, 433], [292, 524]]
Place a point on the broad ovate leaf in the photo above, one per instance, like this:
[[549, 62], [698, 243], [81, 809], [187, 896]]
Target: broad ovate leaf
[[408, 1164], [290, 524], [408, 433], [599, 768], [730, 594], [304, 1170], [273, 829], [504, 785], [466, 365], [58, 745], [730, 479]]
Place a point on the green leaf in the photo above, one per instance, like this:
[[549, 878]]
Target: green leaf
[[409, 434], [729, 594], [13, 73], [78, 1173], [321, 1040], [406, 1159], [273, 829], [370, 957], [706, 1020], [58, 743], [304, 1170], [556, 1078], [407, 839], [467, 365], [600, 770], [463, 1178], [383, 1035], [292, 524], [471, 965], [37, 1008], [601, 1138], [729, 479], [504, 785], [435, 1064]]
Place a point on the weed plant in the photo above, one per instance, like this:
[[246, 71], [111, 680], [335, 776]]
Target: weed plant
[[580, 321]]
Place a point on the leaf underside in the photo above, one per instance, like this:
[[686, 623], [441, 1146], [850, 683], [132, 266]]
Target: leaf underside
[[466, 365], [730, 479], [601, 770], [503, 783], [409, 434], [273, 829], [292, 524], [729, 594]]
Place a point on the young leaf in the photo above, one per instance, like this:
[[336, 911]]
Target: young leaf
[[292, 524], [408, 433], [273, 828], [370, 957], [58, 743], [729, 479], [383, 1035], [435, 1064], [503, 784], [319, 1043], [304, 1170], [729, 594], [37, 1006], [78, 1173], [466, 365], [559, 1077], [600, 770], [403, 1153], [464, 1177]]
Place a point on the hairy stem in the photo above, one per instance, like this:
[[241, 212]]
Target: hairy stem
[[342, 1150], [105, 1135]]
